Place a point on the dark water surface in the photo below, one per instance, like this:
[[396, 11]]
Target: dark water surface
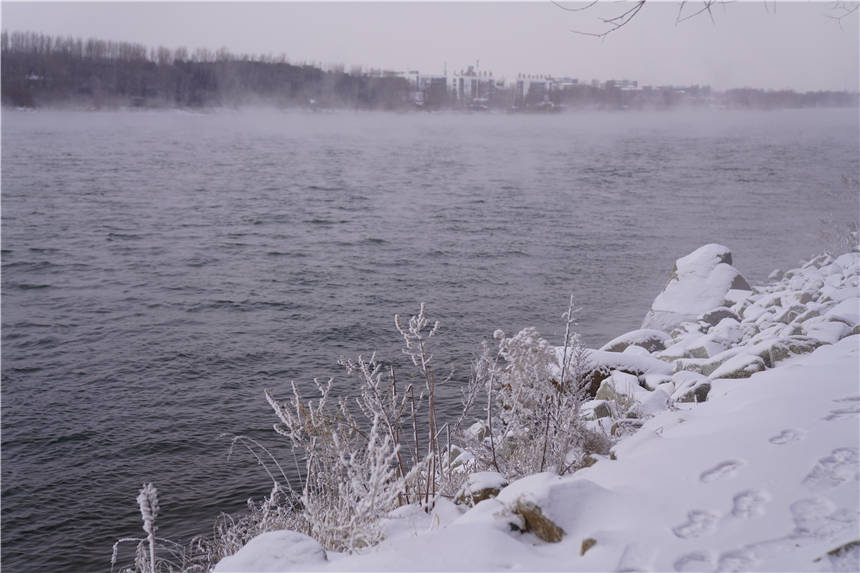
[[160, 269]]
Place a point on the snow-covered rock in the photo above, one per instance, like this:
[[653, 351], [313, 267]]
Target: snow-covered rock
[[741, 366], [647, 338], [655, 402], [480, 486], [828, 331], [698, 284], [596, 409], [601, 363], [618, 387], [690, 387], [847, 311], [274, 551]]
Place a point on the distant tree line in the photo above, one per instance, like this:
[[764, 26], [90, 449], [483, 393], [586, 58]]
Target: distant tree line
[[38, 70], [42, 70]]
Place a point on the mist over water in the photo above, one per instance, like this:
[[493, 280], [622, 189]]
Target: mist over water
[[160, 269]]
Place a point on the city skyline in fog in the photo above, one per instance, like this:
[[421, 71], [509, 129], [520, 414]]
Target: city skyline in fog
[[763, 45]]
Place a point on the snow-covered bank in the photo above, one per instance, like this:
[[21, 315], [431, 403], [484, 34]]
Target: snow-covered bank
[[737, 413]]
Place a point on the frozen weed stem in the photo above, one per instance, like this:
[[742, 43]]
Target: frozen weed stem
[[170, 557], [148, 502]]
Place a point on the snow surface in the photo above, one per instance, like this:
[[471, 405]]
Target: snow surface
[[763, 475]]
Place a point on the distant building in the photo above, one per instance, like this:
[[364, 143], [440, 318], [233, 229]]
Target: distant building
[[472, 84], [622, 84], [532, 89]]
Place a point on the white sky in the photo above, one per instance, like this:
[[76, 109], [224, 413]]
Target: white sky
[[756, 44]]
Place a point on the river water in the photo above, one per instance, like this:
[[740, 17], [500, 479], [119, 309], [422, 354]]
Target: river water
[[160, 269]]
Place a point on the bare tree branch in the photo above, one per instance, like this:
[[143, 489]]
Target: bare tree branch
[[705, 8], [580, 9], [841, 10], [614, 22]]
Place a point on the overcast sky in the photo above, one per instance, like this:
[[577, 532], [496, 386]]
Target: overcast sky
[[756, 44]]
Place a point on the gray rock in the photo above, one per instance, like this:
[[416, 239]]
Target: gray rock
[[602, 410], [697, 394], [713, 317], [536, 522], [480, 486]]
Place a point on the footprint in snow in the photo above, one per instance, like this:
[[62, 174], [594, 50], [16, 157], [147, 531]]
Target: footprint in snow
[[851, 408], [723, 470], [786, 436], [839, 413], [749, 503], [837, 468], [699, 522], [819, 518], [735, 561], [695, 561], [816, 519]]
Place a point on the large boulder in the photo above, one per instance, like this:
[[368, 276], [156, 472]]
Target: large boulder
[[274, 551], [690, 387], [698, 284]]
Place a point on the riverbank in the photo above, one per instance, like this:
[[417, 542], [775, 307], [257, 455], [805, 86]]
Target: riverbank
[[735, 411]]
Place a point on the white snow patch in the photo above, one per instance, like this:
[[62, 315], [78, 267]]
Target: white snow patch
[[274, 551]]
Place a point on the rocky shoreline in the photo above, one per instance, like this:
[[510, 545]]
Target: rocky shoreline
[[735, 414]]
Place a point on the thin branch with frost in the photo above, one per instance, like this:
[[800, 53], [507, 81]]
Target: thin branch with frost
[[416, 336]]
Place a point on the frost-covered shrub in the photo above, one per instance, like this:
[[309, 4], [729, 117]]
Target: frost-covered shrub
[[357, 466], [350, 477], [534, 393], [277, 511]]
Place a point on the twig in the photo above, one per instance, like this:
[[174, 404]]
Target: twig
[[580, 9]]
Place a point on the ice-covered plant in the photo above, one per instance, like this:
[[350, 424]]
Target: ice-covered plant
[[148, 502], [354, 471], [534, 393], [153, 553], [358, 465]]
